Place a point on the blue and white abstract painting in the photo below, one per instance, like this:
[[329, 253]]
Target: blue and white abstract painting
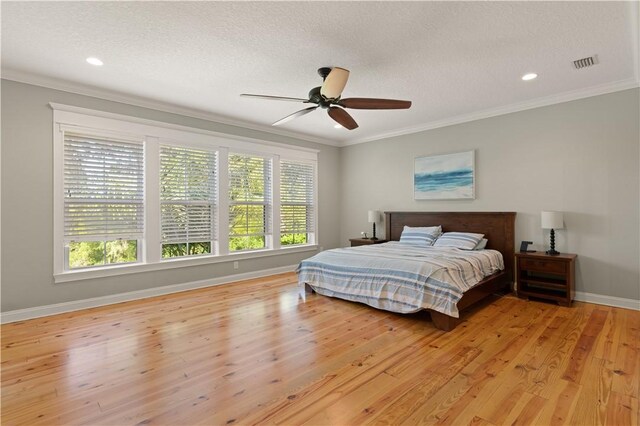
[[445, 177]]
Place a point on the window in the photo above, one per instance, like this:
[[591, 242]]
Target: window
[[296, 202], [103, 200], [249, 201], [188, 201], [134, 195]]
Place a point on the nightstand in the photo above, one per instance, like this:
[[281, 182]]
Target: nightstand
[[546, 277], [364, 241]]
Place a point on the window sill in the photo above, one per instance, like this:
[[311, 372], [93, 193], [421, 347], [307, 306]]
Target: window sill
[[100, 272]]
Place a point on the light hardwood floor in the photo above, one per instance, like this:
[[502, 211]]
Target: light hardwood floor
[[256, 352]]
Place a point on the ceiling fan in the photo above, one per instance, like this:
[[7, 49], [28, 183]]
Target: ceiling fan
[[328, 97]]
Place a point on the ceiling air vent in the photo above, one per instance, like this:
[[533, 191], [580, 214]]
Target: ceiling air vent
[[585, 62]]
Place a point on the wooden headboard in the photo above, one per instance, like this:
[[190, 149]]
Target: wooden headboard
[[497, 227]]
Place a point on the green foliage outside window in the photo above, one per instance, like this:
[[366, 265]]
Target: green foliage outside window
[[249, 194], [246, 243], [293, 239], [247, 222], [94, 253], [293, 219], [296, 202], [185, 249], [187, 195]]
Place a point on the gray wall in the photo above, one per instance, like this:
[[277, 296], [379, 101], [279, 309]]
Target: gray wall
[[27, 202], [579, 157]]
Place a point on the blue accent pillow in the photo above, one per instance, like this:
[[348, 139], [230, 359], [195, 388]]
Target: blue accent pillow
[[424, 236], [461, 240]]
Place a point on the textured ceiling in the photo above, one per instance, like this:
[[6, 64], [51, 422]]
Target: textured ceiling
[[452, 59]]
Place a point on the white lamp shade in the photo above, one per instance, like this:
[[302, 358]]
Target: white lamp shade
[[373, 216], [552, 220]]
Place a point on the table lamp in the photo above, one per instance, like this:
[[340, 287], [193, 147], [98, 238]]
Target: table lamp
[[373, 218], [552, 220]]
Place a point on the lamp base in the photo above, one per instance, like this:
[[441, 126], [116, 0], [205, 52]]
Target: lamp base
[[374, 238], [552, 246]]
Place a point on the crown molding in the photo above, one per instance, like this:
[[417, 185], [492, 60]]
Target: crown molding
[[139, 101], [573, 95]]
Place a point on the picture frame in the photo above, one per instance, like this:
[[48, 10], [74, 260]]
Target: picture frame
[[445, 177]]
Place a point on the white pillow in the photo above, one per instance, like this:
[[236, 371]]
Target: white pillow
[[461, 240], [482, 244], [424, 236]]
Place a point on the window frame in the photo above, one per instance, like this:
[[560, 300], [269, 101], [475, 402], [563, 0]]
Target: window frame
[[214, 204], [312, 235], [268, 203], [155, 133], [104, 134]]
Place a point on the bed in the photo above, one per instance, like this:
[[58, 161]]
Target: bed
[[368, 274]]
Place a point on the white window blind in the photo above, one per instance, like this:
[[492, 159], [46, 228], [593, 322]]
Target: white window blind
[[249, 201], [296, 202], [103, 188], [188, 182]]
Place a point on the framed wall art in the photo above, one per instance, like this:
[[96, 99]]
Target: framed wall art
[[445, 177]]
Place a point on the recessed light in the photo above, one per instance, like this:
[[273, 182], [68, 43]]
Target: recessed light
[[529, 76], [337, 126], [95, 61]]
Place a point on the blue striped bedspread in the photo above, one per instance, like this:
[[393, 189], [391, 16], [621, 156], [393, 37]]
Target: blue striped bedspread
[[399, 277]]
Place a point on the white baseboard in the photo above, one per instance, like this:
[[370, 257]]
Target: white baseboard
[[76, 305], [600, 299], [59, 308]]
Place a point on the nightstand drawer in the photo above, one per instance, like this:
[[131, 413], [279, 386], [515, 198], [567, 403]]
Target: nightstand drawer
[[544, 265]]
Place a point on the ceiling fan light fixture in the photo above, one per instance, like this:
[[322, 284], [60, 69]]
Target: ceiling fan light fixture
[[338, 126], [334, 83], [95, 61], [529, 76]]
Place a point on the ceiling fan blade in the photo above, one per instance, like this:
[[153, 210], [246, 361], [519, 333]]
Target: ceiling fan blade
[[334, 83], [294, 115], [372, 103], [273, 98], [343, 118]]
